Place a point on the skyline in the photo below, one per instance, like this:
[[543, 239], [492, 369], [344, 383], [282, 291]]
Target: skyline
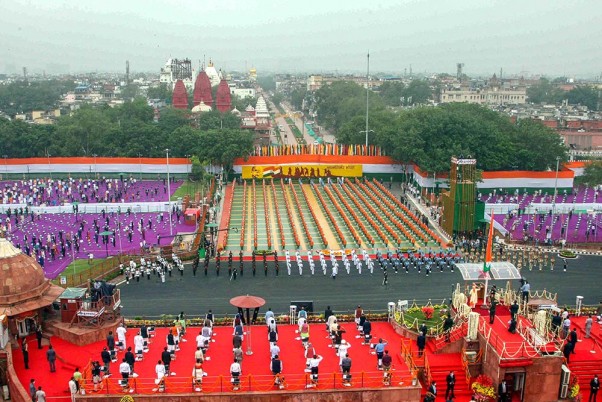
[[539, 38]]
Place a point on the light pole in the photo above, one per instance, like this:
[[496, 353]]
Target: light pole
[[366, 132], [95, 167], [367, 95], [5, 165], [555, 190], [168, 194], [49, 169], [140, 165]]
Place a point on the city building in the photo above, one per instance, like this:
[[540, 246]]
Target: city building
[[493, 92]]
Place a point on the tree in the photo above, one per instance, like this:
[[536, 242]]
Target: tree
[[418, 92], [22, 97], [392, 92], [545, 92], [223, 146], [267, 82], [162, 92], [584, 95], [592, 174]]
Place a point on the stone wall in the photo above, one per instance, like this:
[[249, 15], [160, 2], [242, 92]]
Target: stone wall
[[18, 393], [381, 395]]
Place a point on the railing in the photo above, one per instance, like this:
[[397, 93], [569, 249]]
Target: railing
[[357, 220], [315, 218], [266, 205], [377, 215], [408, 357], [458, 331], [428, 376], [466, 363], [254, 216], [227, 211], [247, 383], [407, 211], [300, 214], [330, 216], [504, 349], [278, 218], [343, 214], [379, 200], [289, 213], [243, 223]]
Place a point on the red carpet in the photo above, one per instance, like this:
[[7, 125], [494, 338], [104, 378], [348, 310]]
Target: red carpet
[[256, 370]]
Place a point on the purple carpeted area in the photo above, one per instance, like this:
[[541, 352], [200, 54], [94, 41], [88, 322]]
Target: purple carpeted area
[[574, 228], [580, 195], [36, 192], [50, 237]]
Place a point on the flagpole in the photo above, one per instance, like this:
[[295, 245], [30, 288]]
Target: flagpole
[[488, 258]]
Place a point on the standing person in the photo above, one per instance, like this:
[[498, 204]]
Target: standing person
[[346, 366], [327, 315], [342, 352], [111, 344], [492, 311], [448, 324], [421, 343], [25, 350], [525, 289], [514, 310], [124, 369], [73, 388], [77, 377], [51, 357], [502, 391], [387, 361], [160, 370], [588, 325], [166, 359], [121, 331], [594, 386], [450, 380], [573, 339], [130, 358], [379, 348], [432, 391], [32, 389], [39, 335], [40, 395], [358, 315], [276, 365], [105, 356]]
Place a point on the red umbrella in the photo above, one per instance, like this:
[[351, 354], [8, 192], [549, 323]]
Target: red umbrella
[[247, 301]]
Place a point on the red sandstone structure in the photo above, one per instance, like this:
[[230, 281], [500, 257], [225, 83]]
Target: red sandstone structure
[[202, 90], [223, 101], [180, 96]]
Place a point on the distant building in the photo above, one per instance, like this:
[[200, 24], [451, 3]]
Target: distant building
[[492, 93], [180, 96], [223, 100], [176, 69], [243, 92]]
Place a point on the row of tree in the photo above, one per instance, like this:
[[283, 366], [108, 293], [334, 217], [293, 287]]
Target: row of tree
[[430, 136], [129, 130], [546, 91], [22, 96]]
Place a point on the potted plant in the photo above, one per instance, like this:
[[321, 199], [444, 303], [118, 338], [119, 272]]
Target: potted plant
[[483, 388]]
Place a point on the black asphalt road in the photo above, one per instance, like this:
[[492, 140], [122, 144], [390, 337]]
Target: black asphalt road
[[196, 294]]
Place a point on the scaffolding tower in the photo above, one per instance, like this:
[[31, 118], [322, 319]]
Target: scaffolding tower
[[459, 214]]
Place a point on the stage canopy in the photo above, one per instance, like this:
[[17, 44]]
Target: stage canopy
[[499, 271]]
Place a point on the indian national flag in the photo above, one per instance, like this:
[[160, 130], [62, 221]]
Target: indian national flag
[[488, 250], [269, 171]]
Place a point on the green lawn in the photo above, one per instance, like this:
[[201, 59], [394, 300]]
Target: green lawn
[[188, 187], [78, 266]]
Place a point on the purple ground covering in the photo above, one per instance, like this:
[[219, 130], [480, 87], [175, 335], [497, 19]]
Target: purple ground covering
[[58, 191], [577, 196], [51, 224], [582, 228]]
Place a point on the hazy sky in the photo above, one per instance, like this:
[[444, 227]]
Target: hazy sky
[[521, 36]]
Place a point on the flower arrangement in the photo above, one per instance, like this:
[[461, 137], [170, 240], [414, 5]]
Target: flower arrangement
[[483, 388], [428, 312], [575, 389]]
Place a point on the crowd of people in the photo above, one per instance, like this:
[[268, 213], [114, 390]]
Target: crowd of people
[[53, 192]]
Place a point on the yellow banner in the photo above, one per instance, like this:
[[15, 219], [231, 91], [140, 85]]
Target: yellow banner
[[276, 171]]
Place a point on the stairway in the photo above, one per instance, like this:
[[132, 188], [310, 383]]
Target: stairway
[[312, 226], [235, 218], [287, 228], [585, 370], [440, 366]]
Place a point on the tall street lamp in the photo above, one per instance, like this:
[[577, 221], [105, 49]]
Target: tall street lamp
[[95, 166], [168, 194], [140, 165], [49, 169], [555, 189]]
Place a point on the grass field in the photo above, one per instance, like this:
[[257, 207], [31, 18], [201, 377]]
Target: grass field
[[188, 187], [79, 266]]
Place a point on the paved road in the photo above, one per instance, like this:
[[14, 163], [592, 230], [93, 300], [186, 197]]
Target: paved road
[[196, 294]]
